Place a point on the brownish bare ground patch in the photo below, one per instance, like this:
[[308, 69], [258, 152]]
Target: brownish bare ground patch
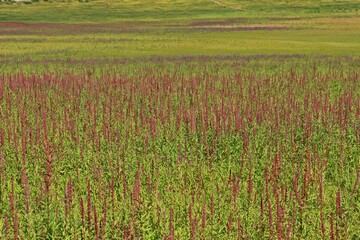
[[11, 24], [18, 28], [244, 28], [240, 27]]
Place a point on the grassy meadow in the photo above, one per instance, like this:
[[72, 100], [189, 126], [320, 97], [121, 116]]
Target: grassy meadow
[[180, 119]]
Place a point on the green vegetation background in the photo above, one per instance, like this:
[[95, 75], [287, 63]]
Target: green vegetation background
[[179, 27]]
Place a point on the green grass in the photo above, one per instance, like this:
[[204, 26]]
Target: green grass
[[166, 28], [100, 11], [336, 42]]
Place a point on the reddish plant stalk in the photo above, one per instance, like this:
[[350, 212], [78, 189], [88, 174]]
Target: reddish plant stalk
[[89, 204], [322, 224], [229, 224], [82, 212], [68, 197], [212, 208], [203, 218], [332, 234], [25, 183], [96, 224], [171, 226], [339, 211], [278, 213], [356, 184], [136, 188], [6, 223], [104, 219]]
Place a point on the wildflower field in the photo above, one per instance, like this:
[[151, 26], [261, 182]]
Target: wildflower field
[[223, 125]]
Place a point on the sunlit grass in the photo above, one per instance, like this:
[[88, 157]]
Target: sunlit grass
[[306, 41], [99, 11]]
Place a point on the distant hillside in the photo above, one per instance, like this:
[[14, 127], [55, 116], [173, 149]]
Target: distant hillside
[[111, 10]]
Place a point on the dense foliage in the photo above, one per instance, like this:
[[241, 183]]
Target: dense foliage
[[195, 148]]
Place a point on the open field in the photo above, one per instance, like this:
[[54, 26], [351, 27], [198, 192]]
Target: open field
[[339, 36], [118, 29], [113, 10], [180, 120]]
